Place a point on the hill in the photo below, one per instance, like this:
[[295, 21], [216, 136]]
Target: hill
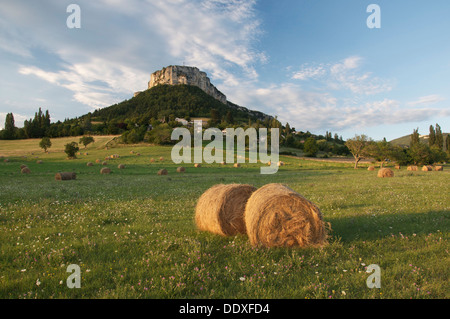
[[165, 101], [405, 140]]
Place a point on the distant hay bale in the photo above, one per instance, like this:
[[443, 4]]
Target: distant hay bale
[[237, 165], [65, 176], [223, 163], [131, 152], [277, 216], [412, 168], [22, 166], [220, 209], [121, 166], [163, 172], [371, 168], [39, 162], [25, 170], [161, 158], [105, 170], [104, 163], [385, 172], [152, 160], [280, 163], [197, 165], [269, 163], [397, 166], [86, 153], [107, 158], [138, 154], [90, 164], [181, 169], [427, 168], [98, 160], [438, 168]]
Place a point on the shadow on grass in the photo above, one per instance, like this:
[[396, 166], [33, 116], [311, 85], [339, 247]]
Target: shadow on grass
[[376, 226]]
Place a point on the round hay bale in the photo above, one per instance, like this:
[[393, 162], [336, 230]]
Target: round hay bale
[[138, 154], [385, 172], [104, 163], [427, 168], [105, 170], [412, 168], [161, 159], [39, 162], [181, 169], [163, 172], [89, 164], [237, 165], [269, 163], [152, 160], [223, 163], [280, 163], [197, 165], [131, 152], [25, 170], [98, 161], [22, 166], [277, 216], [220, 210], [65, 176], [86, 153], [371, 168], [397, 167], [121, 166], [438, 168]]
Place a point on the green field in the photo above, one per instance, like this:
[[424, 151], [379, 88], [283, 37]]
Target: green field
[[133, 234]]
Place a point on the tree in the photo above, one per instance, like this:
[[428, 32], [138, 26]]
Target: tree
[[45, 143], [439, 138], [432, 136], [71, 149], [415, 139], [10, 128], [357, 146], [86, 140], [421, 154], [381, 151], [311, 148], [447, 144]]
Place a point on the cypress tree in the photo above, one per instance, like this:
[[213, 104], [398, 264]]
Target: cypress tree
[[432, 136]]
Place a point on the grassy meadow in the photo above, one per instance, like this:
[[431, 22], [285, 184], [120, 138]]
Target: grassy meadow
[[133, 235]]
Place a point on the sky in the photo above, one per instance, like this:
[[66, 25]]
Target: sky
[[314, 64]]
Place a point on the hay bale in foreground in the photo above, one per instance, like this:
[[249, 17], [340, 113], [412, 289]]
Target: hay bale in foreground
[[121, 166], [427, 168], [65, 176], [371, 168], [438, 168], [181, 169], [412, 168], [385, 172], [220, 209], [105, 170], [25, 170], [163, 172], [90, 164], [277, 216]]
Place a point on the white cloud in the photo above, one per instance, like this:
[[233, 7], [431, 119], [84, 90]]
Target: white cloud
[[427, 100]]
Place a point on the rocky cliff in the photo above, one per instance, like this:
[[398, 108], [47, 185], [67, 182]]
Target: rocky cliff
[[176, 74]]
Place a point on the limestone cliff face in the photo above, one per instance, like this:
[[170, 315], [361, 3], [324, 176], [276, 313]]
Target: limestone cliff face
[[176, 74]]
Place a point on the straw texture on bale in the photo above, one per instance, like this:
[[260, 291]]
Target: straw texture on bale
[[65, 176], [181, 169], [385, 172], [25, 170], [438, 168], [427, 168], [105, 170], [412, 168], [163, 172], [90, 164], [121, 166], [277, 216], [220, 209], [371, 168]]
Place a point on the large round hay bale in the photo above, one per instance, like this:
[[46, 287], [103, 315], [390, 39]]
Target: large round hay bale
[[22, 166], [197, 165], [181, 169], [121, 166], [385, 172], [220, 209], [412, 168], [163, 172], [105, 170], [65, 176], [25, 170], [371, 168], [277, 216], [90, 164], [438, 168], [427, 168]]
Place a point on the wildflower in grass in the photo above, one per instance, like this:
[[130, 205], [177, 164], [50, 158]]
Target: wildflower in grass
[[242, 278], [38, 283]]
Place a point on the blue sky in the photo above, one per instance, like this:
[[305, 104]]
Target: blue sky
[[314, 64]]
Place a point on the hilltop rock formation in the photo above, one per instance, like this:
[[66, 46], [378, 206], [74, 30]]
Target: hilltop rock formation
[[175, 74]]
